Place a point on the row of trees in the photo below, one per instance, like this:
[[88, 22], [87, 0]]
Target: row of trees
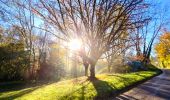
[[13, 58], [105, 27], [17, 63]]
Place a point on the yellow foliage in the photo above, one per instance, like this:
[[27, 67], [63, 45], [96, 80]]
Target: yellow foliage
[[162, 48]]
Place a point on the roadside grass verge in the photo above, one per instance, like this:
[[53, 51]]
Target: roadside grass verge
[[81, 88]]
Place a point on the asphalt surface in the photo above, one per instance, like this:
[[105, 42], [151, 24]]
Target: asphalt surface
[[158, 88]]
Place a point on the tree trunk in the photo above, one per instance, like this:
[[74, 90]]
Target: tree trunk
[[92, 70], [86, 66], [74, 68], [109, 69], [163, 64]]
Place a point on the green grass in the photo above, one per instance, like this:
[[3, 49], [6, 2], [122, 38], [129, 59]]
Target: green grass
[[78, 89]]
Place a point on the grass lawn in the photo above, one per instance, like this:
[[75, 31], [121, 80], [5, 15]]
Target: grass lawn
[[79, 89]]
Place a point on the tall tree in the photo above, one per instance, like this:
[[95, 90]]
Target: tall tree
[[98, 23], [145, 36]]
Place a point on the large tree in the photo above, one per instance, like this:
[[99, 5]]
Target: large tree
[[98, 23]]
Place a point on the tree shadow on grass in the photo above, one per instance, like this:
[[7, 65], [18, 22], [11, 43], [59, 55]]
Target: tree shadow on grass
[[103, 89], [12, 86], [83, 93], [126, 81], [81, 90], [17, 89], [129, 83], [18, 94], [19, 85]]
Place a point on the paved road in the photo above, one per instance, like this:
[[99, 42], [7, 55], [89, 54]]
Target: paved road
[[158, 88]]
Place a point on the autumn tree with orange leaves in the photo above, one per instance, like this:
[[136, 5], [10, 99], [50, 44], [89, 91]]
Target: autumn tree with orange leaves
[[162, 49]]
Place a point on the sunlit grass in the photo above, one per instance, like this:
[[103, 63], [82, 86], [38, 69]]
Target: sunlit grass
[[80, 88]]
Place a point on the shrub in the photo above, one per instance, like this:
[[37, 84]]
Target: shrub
[[13, 61]]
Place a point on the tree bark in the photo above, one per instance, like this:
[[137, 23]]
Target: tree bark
[[163, 64], [109, 69], [86, 66], [92, 70], [109, 66]]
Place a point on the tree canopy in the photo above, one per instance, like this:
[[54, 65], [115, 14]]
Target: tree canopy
[[163, 49]]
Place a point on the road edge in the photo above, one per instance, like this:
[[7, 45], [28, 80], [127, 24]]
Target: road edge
[[114, 95]]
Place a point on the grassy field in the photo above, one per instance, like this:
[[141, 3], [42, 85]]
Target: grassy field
[[78, 89]]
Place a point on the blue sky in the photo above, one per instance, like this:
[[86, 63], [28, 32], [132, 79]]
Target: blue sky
[[165, 4], [162, 6]]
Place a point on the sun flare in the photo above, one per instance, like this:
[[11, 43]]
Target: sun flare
[[75, 44]]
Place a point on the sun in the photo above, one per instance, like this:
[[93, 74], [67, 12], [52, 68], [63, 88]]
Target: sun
[[75, 44]]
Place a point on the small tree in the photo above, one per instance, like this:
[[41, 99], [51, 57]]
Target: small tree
[[163, 49]]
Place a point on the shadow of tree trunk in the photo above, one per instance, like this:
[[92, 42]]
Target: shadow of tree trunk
[[103, 89]]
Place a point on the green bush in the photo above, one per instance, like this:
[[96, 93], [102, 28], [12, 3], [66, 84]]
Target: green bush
[[13, 61]]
